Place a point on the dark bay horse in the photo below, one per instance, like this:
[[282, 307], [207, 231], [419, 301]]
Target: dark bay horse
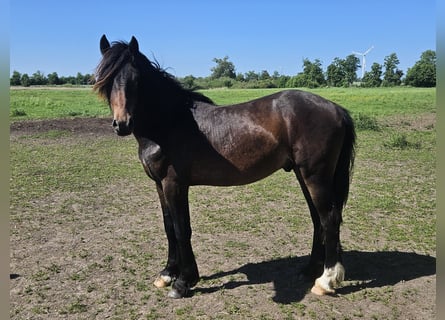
[[185, 140]]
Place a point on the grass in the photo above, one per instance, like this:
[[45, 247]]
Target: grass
[[48, 103], [400, 141], [87, 236], [367, 101], [366, 122]]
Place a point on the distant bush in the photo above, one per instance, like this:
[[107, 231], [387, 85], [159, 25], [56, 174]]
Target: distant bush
[[400, 141], [365, 122], [255, 84], [18, 113]]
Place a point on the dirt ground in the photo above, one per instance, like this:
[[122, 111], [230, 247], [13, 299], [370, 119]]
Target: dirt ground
[[88, 126], [99, 262]]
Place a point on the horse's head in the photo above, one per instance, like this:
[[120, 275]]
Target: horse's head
[[139, 90], [118, 80]]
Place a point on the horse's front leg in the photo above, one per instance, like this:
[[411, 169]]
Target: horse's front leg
[[176, 201], [171, 270]]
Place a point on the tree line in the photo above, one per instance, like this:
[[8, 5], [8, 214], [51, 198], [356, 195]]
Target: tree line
[[40, 79], [340, 73]]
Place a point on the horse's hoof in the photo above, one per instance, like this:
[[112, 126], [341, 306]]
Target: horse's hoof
[[174, 294], [321, 291], [162, 281]]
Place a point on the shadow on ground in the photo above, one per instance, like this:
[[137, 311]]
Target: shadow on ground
[[368, 269]]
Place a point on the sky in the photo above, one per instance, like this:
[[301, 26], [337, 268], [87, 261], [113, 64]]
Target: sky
[[185, 36]]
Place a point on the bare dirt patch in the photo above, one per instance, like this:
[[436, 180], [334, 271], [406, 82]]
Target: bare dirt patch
[[93, 252], [425, 121], [79, 126]]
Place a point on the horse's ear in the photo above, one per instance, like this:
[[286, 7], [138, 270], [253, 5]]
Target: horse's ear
[[133, 45], [104, 44]]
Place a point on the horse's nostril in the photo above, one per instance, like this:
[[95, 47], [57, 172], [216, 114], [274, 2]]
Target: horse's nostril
[[122, 128]]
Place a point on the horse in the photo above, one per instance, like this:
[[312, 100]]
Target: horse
[[185, 140]]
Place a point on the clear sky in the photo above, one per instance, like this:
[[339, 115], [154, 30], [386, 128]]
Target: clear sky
[[184, 36]]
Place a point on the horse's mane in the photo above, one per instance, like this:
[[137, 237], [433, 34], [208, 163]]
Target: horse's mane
[[119, 54], [112, 61]]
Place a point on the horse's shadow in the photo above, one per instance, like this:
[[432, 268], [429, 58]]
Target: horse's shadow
[[364, 269]]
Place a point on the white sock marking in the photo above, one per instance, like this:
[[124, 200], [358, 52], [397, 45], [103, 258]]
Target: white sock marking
[[331, 277]]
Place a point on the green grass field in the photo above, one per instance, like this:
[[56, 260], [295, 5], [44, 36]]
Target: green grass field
[[52, 102], [47, 103], [87, 239]]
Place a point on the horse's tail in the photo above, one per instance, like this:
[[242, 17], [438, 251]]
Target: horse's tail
[[345, 163]]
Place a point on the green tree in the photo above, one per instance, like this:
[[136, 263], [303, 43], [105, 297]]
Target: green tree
[[264, 75], [281, 81], [38, 78], [53, 78], [15, 78], [68, 80], [423, 73], [392, 75], [240, 77], [223, 68], [276, 75], [313, 73], [81, 79], [342, 72], [188, 82], [373, 78], [350, 65], [25, 80], [335, 73], [251, 76], [299, 81]]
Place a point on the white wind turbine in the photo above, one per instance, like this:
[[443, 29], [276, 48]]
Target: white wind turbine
[[363, 59]]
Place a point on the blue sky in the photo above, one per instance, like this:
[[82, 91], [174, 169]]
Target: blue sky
[[185, 36]]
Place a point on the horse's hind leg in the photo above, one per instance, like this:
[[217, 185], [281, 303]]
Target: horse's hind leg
[[315, 267], [334, 271], [319, 193]]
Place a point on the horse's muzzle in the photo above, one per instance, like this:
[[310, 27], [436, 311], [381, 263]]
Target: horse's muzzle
[[123, 128]]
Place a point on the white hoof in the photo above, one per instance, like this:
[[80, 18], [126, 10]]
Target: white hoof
[[162, 281], [331, 278]]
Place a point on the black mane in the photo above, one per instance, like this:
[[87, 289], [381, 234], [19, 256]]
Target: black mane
[[158, 80]]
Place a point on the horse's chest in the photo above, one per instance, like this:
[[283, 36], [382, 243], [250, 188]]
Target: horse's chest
[[153, 160]]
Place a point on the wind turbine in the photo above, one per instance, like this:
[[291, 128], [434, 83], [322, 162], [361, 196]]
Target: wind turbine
[[363, 59]]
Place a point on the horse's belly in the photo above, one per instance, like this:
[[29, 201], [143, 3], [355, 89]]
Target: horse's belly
[[242, 147], [224, 172]]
